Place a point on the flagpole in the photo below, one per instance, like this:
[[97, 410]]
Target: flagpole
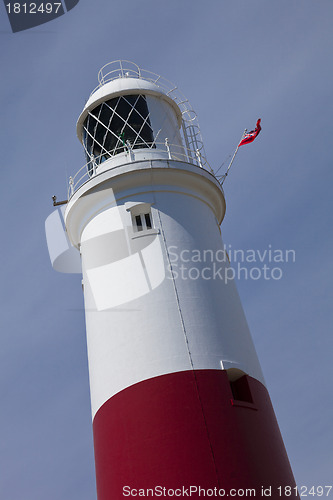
[[232, 159]]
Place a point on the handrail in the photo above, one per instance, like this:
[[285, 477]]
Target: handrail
[[122, 69], [127, 69], [193, 152], [166, 151]]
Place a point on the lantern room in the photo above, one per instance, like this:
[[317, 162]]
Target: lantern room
[[137, 115]]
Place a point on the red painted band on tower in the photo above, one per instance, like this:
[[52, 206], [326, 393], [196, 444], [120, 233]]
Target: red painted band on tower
[[185, 429]]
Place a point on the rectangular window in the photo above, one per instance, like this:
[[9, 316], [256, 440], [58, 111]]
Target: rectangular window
[[241, 390], [148, 221], [138, 222], [142, 222]]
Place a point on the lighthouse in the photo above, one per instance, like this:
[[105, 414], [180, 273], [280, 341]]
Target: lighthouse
[[179, 402]]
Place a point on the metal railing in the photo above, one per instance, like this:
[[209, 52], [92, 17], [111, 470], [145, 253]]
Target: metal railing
[[193, 151], [127, 69], [159, 150]]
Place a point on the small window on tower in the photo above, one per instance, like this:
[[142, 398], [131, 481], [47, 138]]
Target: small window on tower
[[241, 390], [148, 221], [240, 385], [142, 222], [138, 222]]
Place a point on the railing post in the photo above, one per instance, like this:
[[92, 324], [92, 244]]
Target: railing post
[[168, 147], [197, 152], [71, 185], [130, 151]]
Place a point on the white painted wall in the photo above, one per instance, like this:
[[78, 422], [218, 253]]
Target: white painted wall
[[143, 322]]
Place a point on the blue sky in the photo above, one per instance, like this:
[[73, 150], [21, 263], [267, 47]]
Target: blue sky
[[235, 61]]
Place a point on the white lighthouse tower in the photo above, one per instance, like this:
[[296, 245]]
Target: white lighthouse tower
[[178, 398]]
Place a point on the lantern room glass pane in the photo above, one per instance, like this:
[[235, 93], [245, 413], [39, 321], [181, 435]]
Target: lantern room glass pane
[[116, 124]]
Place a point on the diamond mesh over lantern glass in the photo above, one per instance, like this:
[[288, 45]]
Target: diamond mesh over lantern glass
[[114, 124]]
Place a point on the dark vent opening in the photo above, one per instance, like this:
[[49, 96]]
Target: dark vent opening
[[241, 390]]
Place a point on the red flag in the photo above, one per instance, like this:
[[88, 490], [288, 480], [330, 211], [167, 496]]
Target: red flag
[[250, 136]]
